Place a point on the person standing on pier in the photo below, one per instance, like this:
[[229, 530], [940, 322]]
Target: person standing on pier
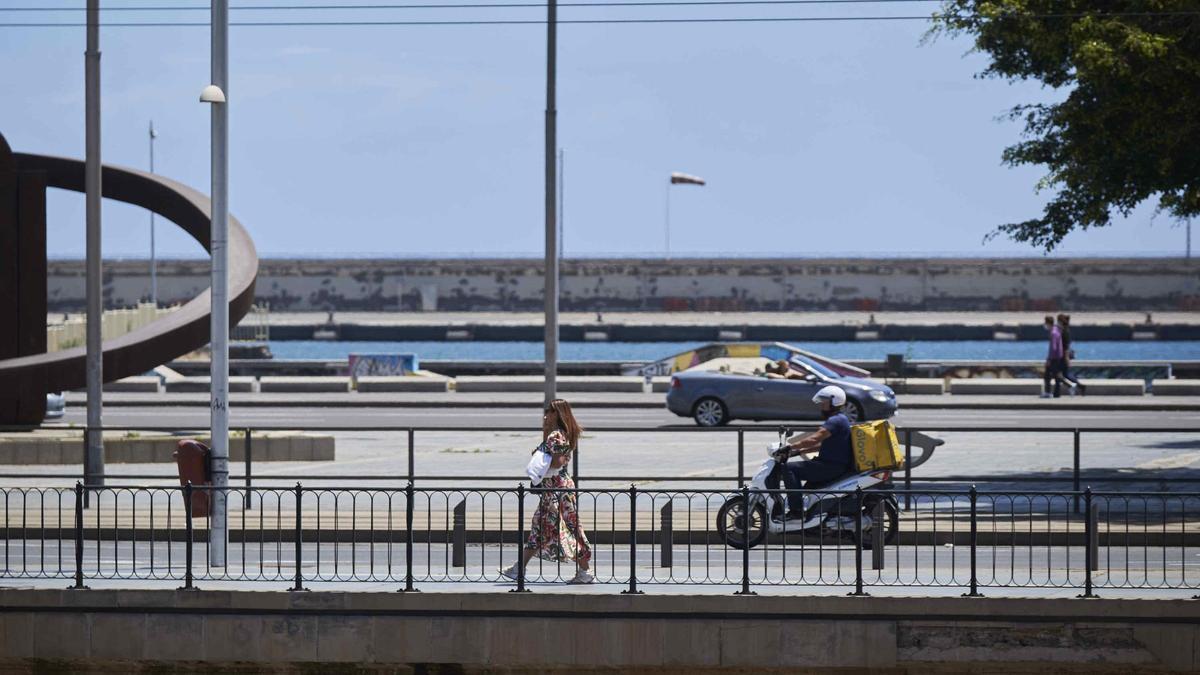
[[1054, 360]]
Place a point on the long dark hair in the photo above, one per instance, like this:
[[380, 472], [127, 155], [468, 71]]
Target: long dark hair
[[566, 421]]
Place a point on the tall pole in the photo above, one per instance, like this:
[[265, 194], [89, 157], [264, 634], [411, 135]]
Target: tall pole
[[551, 230], [93, 460], [667, 224], [219, 374], [562, 180], [153, 262]]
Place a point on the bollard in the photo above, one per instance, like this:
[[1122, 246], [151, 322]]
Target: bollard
[[1075, 470], [877, 517], [187, 544], [746, 511], [666, 555], [520, 540], [408, 530], [298, 582], [78, 538], [458, 541], [1094, 539], [741, 457], [1089, 535], [858, 544], [633, 589], [974, 496], [907, 469], [411, 455], [249, 464]]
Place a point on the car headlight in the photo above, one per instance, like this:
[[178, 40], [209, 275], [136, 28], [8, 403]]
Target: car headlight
[[880, 396]]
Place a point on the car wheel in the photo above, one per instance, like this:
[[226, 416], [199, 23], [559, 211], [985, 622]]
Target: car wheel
[[854, 412], [710, 412]]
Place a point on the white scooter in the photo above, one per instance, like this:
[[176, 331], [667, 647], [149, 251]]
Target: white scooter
[[829, 509]]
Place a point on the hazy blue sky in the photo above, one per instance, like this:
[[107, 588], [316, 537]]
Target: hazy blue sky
[[816, 138]]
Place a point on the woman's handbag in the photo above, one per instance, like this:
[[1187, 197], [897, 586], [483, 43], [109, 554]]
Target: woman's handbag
[[539, 463]]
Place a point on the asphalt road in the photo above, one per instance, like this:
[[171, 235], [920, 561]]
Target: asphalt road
[[596, 418]]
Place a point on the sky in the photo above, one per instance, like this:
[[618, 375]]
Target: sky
[[816, 138]]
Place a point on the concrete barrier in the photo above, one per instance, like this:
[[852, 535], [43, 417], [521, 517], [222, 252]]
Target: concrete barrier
[[237, 384], [528, 383], [1114, 387], [992, 386], [925, 386], [145, 384], [1176, 387], [309, 385], [197, 631], [134, 448], [400, 383]]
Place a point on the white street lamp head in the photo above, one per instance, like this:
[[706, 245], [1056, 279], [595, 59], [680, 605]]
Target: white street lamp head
[[212, 94], [685, 179]]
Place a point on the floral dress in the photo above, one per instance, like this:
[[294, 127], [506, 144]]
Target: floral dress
[[556, 533]]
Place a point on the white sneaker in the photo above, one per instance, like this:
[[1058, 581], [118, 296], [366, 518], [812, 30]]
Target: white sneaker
[[582, 577], [511, 572]]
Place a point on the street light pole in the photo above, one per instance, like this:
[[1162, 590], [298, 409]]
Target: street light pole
[[676, 179], [153, 262], [551, 273], [93, 460], [219, 373]]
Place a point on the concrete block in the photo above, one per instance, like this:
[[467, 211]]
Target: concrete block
[[320, 384], [174, 637], [140, 383], [535, 383], [323, 449], [16, 635], [691, 644], [1176, 387], [991, 386], [142, 452], [622, 384], [403, 640], [660, 385], [846, 644], [750, 644], [289, 638], [118, 636], [238, 384], [345, 639], [298, 448], [925, 386], [232, 638], [59, 635], [399, 383], [1115, 387]]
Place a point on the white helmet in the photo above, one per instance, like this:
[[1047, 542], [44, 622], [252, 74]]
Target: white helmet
[[834, 394]]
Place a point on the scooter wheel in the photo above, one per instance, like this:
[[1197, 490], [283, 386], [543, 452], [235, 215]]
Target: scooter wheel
[[733, 526]]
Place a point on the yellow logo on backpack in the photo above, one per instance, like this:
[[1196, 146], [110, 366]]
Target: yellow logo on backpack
[[875, 446]]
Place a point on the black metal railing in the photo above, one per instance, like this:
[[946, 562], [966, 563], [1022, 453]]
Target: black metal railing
[[409, 536]]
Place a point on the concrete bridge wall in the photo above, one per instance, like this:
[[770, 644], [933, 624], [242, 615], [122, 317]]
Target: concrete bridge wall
[[1008, 284]]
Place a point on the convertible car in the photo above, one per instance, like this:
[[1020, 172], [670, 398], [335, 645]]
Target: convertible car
[[741, 389]]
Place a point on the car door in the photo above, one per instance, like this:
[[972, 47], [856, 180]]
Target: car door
[[787, 399]]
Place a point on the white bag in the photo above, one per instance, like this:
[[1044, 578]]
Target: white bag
[[539, 463]]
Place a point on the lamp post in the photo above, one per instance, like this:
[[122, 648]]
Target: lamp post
[[215, 94], [676, 179], [93, 458], [551, 271], [153, 262]]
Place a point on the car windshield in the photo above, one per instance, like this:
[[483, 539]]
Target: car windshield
[[813, 366]]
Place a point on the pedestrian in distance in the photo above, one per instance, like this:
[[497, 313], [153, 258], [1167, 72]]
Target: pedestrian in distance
[[556, 533], [1054, 360], [1064, 327]]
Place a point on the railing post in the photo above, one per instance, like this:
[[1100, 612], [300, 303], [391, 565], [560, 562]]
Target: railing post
[[87, 495], [666, 556], [1075, 470], [858, 543], [409, 499], [877, 516], [298, 584], [78, 537], [633, 589], [187, 544], [974, 496], [741, 461], [1089, 531], [907, 469], [458, 540], [411, 455], [746, 510], [248, 449], [520, 540]]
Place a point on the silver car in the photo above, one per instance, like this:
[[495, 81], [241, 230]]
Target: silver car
[[713, 398]]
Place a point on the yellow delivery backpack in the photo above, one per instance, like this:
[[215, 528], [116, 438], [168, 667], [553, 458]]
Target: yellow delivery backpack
[[875, 446]]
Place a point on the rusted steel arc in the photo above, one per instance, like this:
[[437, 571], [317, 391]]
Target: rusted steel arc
[[179, 332]]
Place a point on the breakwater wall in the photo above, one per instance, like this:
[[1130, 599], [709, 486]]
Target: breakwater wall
[[714, 284]]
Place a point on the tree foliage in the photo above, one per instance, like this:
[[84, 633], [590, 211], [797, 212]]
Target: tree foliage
[[1128, 129]]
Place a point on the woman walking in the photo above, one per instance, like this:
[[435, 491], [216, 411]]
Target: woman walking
[[556, 533]]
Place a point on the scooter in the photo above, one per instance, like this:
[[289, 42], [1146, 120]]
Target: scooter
[[828, 510]]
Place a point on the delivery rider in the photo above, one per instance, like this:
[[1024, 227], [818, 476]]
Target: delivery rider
[[832, 443]]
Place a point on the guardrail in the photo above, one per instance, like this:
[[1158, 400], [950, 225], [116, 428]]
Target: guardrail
[[301, 535]]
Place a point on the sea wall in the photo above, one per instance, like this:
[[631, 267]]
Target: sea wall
[[1000, 284]]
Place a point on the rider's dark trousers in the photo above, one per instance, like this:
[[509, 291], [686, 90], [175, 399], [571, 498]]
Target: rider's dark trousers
[[795, 474]]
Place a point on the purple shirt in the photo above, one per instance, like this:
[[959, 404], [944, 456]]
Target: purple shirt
[[1056, 345]]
